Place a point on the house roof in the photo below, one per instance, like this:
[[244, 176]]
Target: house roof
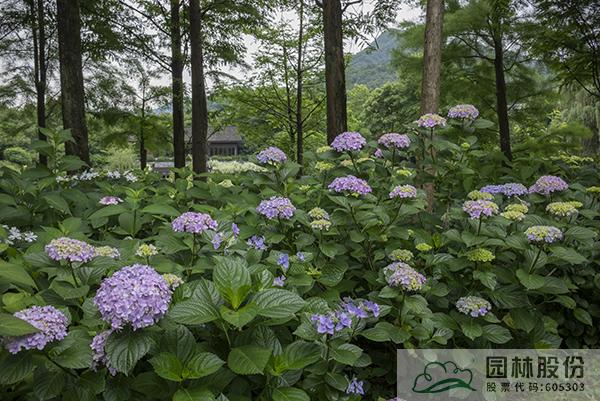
[[227, 134]]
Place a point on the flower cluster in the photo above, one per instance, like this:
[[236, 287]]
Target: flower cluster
[[173, 280], [513, 215], [323, 149], [233, 167], [480, 255], [463, 112], [226, 184], [342, 318], [51, 323], [403, 192], [257, 242], [110, 200], [394, 141], [284, 261], [99, 353], [423, 247], [87, 175], [517, 207], [322, 167], [135, 295], [276, 207], [279, 281], [473, 306], [360, 308], [399, 274], [431, 120], [14, 234], [547, 234], [355, 387], [348, 141], [354, 185], [401, 255], [561, 209], [403, 172], [70, 249], [127, 175], [480, 195], [195, 223], [271, 155], [510, 189], [318, 213], [107, 251], [547, 184], [146, 250], [480, 208], [593, 190], [378, 154]]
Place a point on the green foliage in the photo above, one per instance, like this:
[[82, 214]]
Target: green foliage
[[17, 155]]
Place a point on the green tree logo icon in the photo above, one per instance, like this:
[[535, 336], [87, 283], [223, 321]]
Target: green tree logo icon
[[438, 377]]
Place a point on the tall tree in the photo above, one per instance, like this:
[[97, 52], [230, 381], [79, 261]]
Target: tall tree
[[199, 108], [177, 84], [432, 57], [71, 78], [38, 32]]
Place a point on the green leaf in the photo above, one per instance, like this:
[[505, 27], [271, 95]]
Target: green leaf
[[580, 233], [248, 359], [290, 394], [524, 319], [180, 342], [472, 329], [193, 312], [278, 303], [13, 326], [161, 210], [124, 349], [108, 211], [496, 334], [15, 368], [346, 354], [57, 202], [190, 394], [168, 366], [75, 352], [300, 354], [241, 317], [202, 364], [47, 385], [15, 274], [568, 255], [232, 278], [486, 278], [530, 281], [583, 316]]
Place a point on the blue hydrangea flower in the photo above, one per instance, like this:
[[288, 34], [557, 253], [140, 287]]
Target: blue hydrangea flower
[[51, 323]]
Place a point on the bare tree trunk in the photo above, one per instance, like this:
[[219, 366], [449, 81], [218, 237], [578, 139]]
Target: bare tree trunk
[[432, 57], [39, 67], [142, 139], [71, 77], [299, 73], [199, 109], [288, 97], [501, 103], [335, 79], [177, 86]]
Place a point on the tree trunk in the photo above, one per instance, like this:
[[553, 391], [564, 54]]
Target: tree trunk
[[39, 67], [142, 141], [335, 79], [199, 110], [177, 86], [501, 103], [71, 78], [299, 73], [288, 97], [432, 57]]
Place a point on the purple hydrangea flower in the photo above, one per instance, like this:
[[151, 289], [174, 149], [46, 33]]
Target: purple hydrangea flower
[[547, 234], [394, 141], [257, 242], [235, 229], [110, 200], [431, 120], [216, 241], [348, 141], [480, 208], [355, 387], [284, 261], [279, 281], [300, 256], [70, 249], [195, 223], [511, 189], [356, 186], [399, 274], [272, 155], [276, 207], [51, 322], [492, 189], [378, 154], [463, 112], [99, 354], [107, 251], [473, 306], [135, 294], [323, 323], [403, 192], [360, 308], [547, 184]]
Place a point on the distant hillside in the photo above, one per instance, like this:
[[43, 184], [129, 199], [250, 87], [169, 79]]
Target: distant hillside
[[371, 66]]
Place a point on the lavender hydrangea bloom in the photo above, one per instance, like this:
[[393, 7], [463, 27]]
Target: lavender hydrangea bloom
[[360, 308], [492, 189], [480, 208], [547, 234], [51, 322], [355, 387], [279, 281], [300, 256], [403, 192], [431, 120], [276, 207], [135, 295], [257, 242], [284, 261], [235, 229], [394, 141], [356, 186], [348, 141], [473, 306], [547, 184], [110, 200], [510, 189], [399, 274], [463, 112], [99, 354], [107, 251], [272, 155], [195, 223], [70, 249], [217, 240], [323, 323], [378, 154]]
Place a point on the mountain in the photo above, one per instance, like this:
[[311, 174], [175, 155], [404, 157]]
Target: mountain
[[371, 66]]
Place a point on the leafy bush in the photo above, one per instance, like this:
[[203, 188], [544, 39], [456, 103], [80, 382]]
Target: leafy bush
[[17, 155], [279, 287]]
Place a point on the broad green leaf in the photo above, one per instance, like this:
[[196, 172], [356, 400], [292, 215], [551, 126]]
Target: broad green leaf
[[278, 303], [15, 274], [108, 211], [530, 281], [496, 334], [193, 312], [161, 210], [290, 394], [47, 384], [300, 354], [240, 317], [124, 349], [248, 359], [202, 364], [168, 366], [15, 368], [583, 316], [57, 202], [13, 326], [346, 354], [190, 394], [75, 352], [232, 278], [568, 255], [471, 329]]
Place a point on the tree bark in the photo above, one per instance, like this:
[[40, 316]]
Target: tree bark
[[199, 108], [177, 85], [39, 67], [501, 103], [142, 139], [335, 79], [71, 78], [432, 57], [299, 73]]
